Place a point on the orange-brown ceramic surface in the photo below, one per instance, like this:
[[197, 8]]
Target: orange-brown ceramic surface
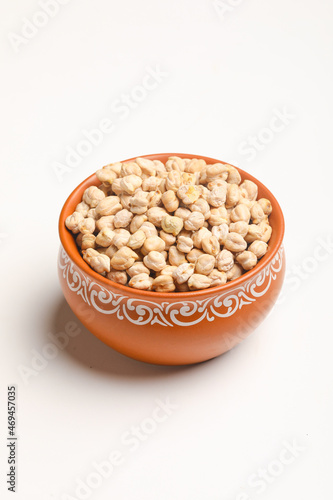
[[171, 328]]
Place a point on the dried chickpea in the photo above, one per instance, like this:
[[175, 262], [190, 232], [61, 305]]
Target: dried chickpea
[[216, 171], [234, 176], [173, 181], [105, 237], [266, 206], [240, 212], [168, 238], [198, 236], [136, 239], [130, 183], [184, 244], [87, 225], [211, 245], [221, 232], [121, 238], [235, 272], [154, 198], [241, 227], [257, 213], [225, 260], [125, 201], [188, 193], [199, 282], [147, 166], [205, 264], [254, 232], [92, 213], [92, 196], [176, 257], [122, 218], [106, 175], [109, 251], [137, 222], [235, 243], [194, 221], [139, 203], [72, 222], [137, 268], [155, 215], [168, 270], [202, 206], [78, 240], [163, 283], [195, 165], [88, 241], [155, 261], [182, 213], [217, 196], [218, 277], [117, 277], [193, 255], [141, 282], [151, 183], [183, 272], [247, 260], [123, 259], [259, 248], [108, 206], [105, 221], [170, 201], [175, 163], [149, 229], [233, 195], [82, 208], [130, 168], [171, 224], [266, 231], [249, 190], [98, 261], [153, 243]]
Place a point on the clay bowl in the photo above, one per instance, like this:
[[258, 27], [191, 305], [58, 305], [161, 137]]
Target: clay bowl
[[171, 328]]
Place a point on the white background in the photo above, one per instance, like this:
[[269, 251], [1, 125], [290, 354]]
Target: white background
[[227, 74]]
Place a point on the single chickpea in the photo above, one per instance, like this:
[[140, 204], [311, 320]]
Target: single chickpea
[[195, 165], [105, 221], [123, 259], [195, 221], [130, 183], [105, 237], [147, 166], [141, 282], [72, 222], [168, 238], [218, 277], [153, 243], [108, 206], [171, 224], [173, 180], [168, 270], [217, 196], [82, 208], [170, 201], [235, 272], [92, 196], [211, 245], [78, 240], [106, 175], [221, 232], [183, 272], [193, 255], [249, 190], [235, 243], [121, 238], [155, 261], [92, 213], [87, 225], [125, 201], [175, 163], [130, 168], [182, 288], [234, 176], [188, 178], [151, 183], [257, 213], [225, 261], [109, 251], [155, 215], [202, 206], [163, 283], [122, 218], [241, 227], [205, 264], [233, 195], [97, 261], [139, 203], [266, 231], [184, 244], [266, 206], [117, 277], [136, 239], [176, 257], [88, 241], [259, 248], [137, 268], [188, 193], [199, 282], [182, 213], [137, 222], [218, 216], [254, 232], [247, 260], [240, 212], [154, 198], [149, 229], [216, 171]]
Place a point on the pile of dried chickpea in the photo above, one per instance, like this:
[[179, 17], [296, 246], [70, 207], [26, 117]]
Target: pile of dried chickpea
[[182, 226]]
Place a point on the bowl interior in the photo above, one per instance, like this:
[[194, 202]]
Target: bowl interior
[[68, 241]]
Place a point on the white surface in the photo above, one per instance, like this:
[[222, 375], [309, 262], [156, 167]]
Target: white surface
[[226, 76]]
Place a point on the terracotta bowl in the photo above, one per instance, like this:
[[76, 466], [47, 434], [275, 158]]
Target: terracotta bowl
[[171, 328]]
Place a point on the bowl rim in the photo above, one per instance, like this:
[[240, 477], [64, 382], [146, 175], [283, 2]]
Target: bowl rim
[[101, 280]]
